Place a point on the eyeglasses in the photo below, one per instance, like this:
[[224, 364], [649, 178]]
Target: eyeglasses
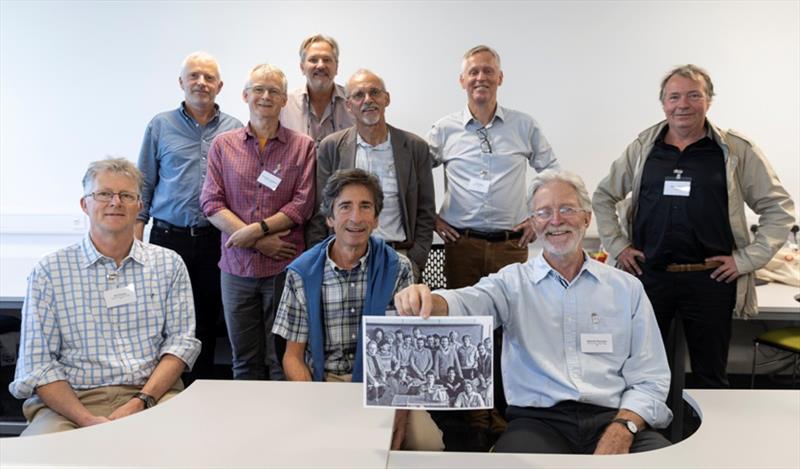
[[261, 90], [361, 95], [566, 211], [106, 196], [486, 145]]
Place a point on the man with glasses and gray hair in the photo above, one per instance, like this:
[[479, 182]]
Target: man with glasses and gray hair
[[400, 159], [173, 161], [259, 192], [107, 323], [486, 150], [317, 109], [580, 375]]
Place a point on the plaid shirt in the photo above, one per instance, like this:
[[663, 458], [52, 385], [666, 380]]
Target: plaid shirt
[[69, 333], [343, 294], [234, 165]]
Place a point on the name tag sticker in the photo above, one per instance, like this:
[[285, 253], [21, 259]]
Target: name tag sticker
[[268, 179], [678, 187], [596, 343], [120, 296], [479, 185]]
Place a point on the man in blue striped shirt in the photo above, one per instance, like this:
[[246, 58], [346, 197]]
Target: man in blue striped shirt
[[108, 323]]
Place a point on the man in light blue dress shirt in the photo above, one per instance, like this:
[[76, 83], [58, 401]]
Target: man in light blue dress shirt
[[107, 323], [584, 367]]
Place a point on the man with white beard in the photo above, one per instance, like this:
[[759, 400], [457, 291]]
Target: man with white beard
[[584, 368]]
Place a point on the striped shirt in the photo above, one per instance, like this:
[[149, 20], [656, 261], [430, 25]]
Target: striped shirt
[[343, 293], [69, 333], [234, 166]]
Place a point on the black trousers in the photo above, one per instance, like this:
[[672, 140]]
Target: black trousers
[[706, 309], [201, 256], [566, 428]]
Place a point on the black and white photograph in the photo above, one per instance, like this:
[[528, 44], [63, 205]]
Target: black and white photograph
[[437, 363]]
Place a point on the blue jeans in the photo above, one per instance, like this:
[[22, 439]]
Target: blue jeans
[[250, 305]]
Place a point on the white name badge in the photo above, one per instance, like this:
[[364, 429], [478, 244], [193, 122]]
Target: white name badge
[[268, 179], [678, 187], [596, 343], [120, 296], [479, 185]]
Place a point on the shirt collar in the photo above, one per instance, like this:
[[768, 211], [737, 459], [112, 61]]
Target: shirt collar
[[91, 255], [466, 116], [385, 145], [338, 93], [186, 114], [541, 268], [361, 261], [281, 134]]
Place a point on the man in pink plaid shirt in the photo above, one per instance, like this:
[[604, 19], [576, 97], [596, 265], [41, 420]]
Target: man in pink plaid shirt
[[259, 192]]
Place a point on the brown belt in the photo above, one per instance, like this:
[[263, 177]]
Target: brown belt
[[708, 265], [404, 245]]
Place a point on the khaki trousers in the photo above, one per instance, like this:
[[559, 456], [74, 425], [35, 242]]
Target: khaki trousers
[[100, 401], [422, 433]]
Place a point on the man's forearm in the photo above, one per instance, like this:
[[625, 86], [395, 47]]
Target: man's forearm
[[226, 221], [61, 398], [165, 375], [294, 365]]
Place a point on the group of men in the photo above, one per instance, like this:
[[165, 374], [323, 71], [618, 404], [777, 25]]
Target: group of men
[[317, 212]]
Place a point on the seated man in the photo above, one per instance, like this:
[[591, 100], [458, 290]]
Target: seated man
[[376, 373], [432, 391], [452, 384], [580, 375], [333, 284], [469, 398], [108, 323]]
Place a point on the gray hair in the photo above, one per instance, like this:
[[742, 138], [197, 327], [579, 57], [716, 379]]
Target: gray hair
[[552, 175], [114, 166], [477, 50], [200, 56], [267, 70], [346, 177], [363, 71], [692, 72], [319, 38]]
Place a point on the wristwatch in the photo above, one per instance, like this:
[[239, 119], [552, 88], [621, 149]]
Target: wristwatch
[[627, 424], [264, 227], [149, 401]]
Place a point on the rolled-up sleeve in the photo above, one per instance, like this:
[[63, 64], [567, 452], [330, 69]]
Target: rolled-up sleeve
[[646, 371], [40, 341], [179, 328]]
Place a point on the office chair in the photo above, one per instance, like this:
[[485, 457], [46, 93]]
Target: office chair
[[786, 339]]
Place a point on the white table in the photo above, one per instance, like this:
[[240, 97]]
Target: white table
[[739, 429], [776, 302], [226, 424]]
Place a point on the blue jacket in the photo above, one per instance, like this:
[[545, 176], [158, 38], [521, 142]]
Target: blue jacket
[[381, 278]]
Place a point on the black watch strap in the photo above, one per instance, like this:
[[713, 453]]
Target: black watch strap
[[629, 425], [264, 227], [149, 401]]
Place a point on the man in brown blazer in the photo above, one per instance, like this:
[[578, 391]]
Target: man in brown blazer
[[401, 161]]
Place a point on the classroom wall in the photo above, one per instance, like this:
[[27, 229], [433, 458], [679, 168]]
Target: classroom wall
[[80, 80]]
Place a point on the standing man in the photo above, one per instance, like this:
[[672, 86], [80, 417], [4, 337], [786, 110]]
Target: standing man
[[400, 159], [333, 284], [259, 192], [485, 149], [581, 376], [108, 323], [685, 232], [173, 162], [318, 108]]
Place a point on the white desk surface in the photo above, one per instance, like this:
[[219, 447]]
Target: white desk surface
[[740, 429], [225, 424], [776, 301]]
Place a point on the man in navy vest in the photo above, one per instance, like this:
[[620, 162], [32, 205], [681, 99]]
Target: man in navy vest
[[333, 284]]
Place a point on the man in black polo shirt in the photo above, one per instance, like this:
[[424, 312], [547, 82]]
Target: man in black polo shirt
[[685, 233]]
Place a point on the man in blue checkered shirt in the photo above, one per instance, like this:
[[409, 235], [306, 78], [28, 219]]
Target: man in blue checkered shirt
[[333, 284], [108, 323]]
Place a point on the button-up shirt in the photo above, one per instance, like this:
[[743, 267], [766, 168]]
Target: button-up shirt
[[379, 160], [173, 162], [70, 333], [297, 114], [543, 321], [343, 293], [486, 182], [234, 166]]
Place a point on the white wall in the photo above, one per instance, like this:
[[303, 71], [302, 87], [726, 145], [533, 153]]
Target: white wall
[[80, 80]]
